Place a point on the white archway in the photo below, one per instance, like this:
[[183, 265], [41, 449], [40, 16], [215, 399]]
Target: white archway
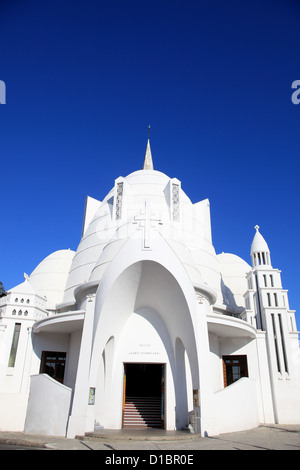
[[146, 300]]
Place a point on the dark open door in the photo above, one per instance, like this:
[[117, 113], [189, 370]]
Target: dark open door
[[143, 395]]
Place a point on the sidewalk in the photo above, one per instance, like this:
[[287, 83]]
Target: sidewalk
[[277, 437]]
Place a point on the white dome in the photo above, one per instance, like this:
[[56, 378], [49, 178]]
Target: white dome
[[187, 237], [234, 283], [150, 182], [50, 276]]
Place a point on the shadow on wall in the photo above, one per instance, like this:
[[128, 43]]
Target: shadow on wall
[[229, 300], [228, 297]]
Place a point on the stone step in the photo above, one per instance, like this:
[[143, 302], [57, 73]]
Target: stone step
[[142, 412]]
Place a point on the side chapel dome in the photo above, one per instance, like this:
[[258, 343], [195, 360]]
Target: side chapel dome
[[50, 276]]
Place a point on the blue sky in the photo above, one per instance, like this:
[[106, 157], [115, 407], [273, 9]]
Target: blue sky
[[84, 79]]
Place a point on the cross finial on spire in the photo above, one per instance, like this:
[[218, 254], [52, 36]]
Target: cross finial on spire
[[256, 227], [149, 132]]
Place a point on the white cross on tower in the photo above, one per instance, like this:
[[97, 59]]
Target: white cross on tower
[[146, 219]]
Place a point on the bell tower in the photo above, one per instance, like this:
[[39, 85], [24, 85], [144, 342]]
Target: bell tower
[[266, 295], [267, 308]]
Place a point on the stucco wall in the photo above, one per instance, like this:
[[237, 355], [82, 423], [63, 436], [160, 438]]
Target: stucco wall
[[12, 421], [48, 406], [236, 406]]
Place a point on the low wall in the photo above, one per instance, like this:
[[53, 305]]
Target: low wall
[[48, 406], [236, 406]]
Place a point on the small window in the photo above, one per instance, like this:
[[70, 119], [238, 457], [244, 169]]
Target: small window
[[175, 202], [234, 368], [14, 345], [53, 363]]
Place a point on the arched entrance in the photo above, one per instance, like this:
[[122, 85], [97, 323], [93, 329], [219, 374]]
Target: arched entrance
[[145, 310], [143, 395]]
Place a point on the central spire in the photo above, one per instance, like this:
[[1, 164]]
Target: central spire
[[148, 163]]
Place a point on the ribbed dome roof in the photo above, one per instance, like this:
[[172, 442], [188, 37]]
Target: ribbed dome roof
[[105, 235]]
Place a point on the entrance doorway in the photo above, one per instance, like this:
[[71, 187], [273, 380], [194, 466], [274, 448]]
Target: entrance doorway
[[143, 395]]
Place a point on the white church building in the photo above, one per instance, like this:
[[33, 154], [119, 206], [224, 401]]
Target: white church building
[[146, 326]]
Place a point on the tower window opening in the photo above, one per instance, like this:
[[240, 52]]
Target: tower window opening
[[283, 345], [275, 343]]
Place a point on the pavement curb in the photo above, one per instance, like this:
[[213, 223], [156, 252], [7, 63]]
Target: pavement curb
[[22, 442]]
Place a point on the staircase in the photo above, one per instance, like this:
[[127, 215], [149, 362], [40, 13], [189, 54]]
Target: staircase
[[142, 412]]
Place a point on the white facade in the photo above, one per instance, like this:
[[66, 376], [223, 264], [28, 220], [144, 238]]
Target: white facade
[[146, 310]]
